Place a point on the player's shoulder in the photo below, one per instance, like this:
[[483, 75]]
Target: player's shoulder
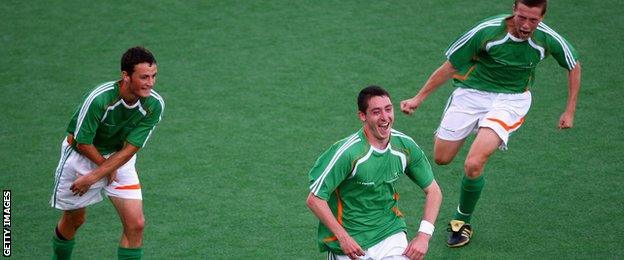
[[403, 140], [102, 93], [351, 145], [350, 142], [155, 100], [491, 22], [545, 32], [485, 29]]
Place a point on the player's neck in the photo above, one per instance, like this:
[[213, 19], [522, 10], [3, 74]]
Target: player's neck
[[374, 142], [126, 94]]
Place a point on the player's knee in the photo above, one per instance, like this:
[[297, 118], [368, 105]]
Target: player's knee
[[135, 226], [442, 160], [75, 220], [474, 166], [443, 156]]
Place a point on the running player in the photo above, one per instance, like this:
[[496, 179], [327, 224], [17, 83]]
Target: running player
[[353, 191], [493, 67]]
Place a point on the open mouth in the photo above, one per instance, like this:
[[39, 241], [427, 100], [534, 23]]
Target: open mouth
[[385, 126]]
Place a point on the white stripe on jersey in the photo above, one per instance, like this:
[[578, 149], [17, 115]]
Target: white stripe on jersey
[[508, 36], [566, 49], [85, 106], [161, 101], [494, 43], [361, 160], [162, 109], [316, 186], [399, 134], [402, 156], [466, 37], [538, 48]]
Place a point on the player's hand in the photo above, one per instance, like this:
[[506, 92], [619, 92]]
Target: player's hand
[[409, 105], [111, 177], [82, 184], [350, 247], [566, 120], [418, 247]]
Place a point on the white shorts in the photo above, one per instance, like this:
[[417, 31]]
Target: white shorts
[[388, 249], [73, 165], [469, 109]]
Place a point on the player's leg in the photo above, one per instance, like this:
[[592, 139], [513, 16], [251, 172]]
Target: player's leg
[[69, 223], [131, 215], [125, 194], [484, 145], [71, 165], [63, 241], [506, 116], [444, 150]]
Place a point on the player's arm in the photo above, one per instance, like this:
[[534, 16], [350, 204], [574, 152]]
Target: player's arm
[[322, 211], [574, 84], [419, 246], [119, 158], [437, 79], [89, 151]]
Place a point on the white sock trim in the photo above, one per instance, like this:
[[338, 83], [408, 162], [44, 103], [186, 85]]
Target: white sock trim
[[459, 211]]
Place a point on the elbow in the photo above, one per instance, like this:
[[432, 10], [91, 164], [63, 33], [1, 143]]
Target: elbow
[[439, 195], [81, 147], [311, 201], [434, 192]]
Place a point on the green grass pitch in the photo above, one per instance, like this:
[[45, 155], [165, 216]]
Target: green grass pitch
[[256, 90]]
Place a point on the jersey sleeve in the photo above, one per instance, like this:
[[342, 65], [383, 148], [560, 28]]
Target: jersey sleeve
[[563, 52], [143, 130], [329, 171], [88, 120], [418, 168]]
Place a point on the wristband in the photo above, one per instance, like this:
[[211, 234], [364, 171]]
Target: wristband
[[426, 227]]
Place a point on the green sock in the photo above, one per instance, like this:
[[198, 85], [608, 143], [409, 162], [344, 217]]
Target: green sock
[[468, 197], [129, 253], [62, 248]]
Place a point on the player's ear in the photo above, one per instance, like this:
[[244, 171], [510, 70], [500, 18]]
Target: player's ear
[[362, 116], [125, 77]]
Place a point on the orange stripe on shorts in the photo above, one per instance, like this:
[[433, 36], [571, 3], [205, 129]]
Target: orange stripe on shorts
[[506, 126], [129, 187]]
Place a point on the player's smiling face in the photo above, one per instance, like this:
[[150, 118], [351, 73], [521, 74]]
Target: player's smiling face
[[142, 80], [378, 121], [525, 20]]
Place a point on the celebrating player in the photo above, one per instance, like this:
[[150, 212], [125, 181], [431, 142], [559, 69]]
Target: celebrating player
[[99, 152], [353, 191], [493, 68]]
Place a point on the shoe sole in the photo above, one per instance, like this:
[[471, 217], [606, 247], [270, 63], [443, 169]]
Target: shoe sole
[[461, 244], [458, 244]]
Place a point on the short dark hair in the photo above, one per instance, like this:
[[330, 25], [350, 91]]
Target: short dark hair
[[367, 93], [533, 3], [134, 56]]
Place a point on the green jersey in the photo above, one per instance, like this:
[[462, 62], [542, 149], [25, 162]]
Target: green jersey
[[106, 121], [489, 58], [358, 182]]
